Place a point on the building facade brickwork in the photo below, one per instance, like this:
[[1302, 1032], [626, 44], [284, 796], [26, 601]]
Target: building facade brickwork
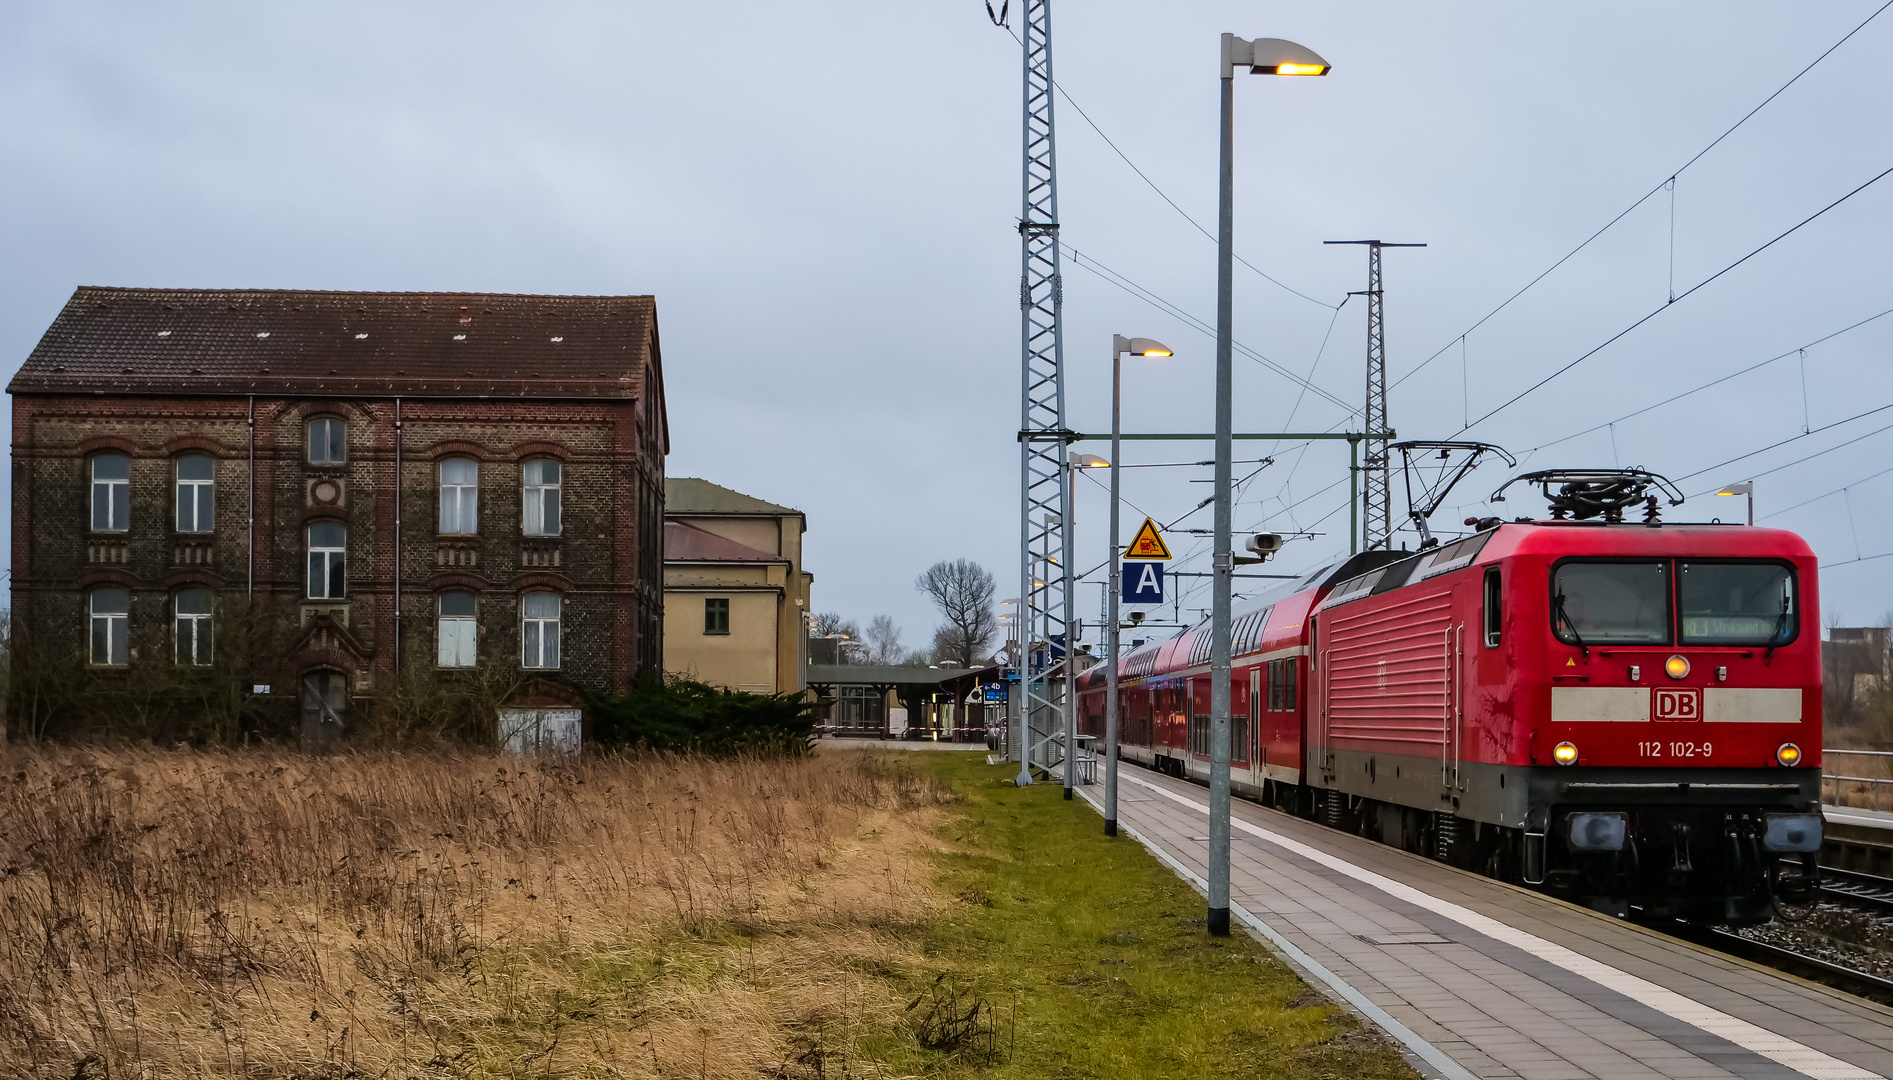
[[477, 463]]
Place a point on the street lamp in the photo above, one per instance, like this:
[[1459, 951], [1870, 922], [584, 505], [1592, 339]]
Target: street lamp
[[1073, 462], [1263, 56], [1746, 487], [1136, 347]]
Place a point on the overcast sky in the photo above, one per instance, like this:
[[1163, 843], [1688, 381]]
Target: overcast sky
[[822, 198]]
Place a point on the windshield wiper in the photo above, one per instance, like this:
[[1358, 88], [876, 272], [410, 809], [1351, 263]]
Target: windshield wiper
[[1774, 636], [1558, 613]]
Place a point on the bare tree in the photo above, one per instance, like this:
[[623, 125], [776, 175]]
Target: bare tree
[[883, 641], [829, 623], [963, 591]]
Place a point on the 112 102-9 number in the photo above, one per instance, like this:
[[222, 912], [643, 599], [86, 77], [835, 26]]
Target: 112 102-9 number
[[1673, 749]]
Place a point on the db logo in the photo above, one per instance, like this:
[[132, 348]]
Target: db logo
[[1678, 705]]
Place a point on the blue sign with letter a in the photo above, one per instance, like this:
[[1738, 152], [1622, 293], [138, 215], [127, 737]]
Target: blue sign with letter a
[[1143, 583]]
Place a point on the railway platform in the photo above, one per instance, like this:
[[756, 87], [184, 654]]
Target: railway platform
[[1858, 839], [1476, 978]]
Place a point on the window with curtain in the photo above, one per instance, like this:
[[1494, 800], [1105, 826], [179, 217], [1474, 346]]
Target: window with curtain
[[460, 496], [539, 630], [328, 441], [459, 634], [111, 493], [111, 626], [328, 559], [542, 482], [192, 608], [195, 486]]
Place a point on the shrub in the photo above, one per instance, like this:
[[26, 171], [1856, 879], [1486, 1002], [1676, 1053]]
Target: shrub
[[675, 713]]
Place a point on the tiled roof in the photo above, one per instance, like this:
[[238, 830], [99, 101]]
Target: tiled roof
[[687, 543], [243, 341], [688, 495]]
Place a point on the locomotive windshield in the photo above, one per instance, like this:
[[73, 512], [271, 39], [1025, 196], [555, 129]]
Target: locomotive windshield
[[1611, 603], [1737, 603]]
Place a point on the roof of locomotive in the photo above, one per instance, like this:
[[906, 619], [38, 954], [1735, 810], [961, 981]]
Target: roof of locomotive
[[1563, 538]]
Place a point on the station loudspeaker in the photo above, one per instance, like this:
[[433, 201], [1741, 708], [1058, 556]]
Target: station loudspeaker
[[1264, 544]]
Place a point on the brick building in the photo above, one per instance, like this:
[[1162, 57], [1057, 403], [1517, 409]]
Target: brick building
[[277, 512]]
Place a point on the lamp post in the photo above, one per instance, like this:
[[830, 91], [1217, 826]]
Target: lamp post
[[1073, 462], [1746, 487], [1136, 347], [1263, 56]]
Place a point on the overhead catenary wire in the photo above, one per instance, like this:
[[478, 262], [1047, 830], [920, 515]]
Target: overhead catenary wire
[[1161, 194], [1670, 177], [1797, 438], [1801, 350], [1104, 272], [1784, 234]]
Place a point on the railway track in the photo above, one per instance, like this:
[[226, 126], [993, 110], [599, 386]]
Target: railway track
[[1807, 967], [1857, 890]]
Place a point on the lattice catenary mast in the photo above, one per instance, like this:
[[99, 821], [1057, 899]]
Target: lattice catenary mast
[[1376, 471], [1045, 500]]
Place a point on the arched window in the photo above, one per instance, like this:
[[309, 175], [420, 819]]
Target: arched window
[[328, 559], [195, 489], [460, 496], [110, 615], [328, 441], [459, 634], [193, 618], [539, 630], [111, 493], [541, 504]]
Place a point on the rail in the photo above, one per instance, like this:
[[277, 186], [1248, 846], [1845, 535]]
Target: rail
[[1876, 785]]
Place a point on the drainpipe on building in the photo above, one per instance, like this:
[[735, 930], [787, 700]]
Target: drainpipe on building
[[397, 543], [249, 539]]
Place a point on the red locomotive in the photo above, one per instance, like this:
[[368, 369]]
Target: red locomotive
[[1626, 714]]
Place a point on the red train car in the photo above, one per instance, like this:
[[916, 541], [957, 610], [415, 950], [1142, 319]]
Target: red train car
[[1626, 714]]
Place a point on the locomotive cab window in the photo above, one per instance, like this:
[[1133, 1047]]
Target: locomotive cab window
[[1492, 610], [1737, 603], [1611, 603]]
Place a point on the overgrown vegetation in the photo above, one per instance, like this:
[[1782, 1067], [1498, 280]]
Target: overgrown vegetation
[[179, 914], [168, 914], [680, 714]]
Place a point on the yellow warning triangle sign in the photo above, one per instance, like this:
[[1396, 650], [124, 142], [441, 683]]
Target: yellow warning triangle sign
[[1148, 543]]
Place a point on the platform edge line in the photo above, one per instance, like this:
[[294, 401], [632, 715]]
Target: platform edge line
[[1426, 1051]]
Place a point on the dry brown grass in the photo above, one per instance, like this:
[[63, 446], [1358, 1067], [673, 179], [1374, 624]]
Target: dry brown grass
[[179, 914]]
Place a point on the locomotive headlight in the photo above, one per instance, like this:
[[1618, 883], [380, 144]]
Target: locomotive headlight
[[1565, 753], [1676, 667], [1789, 755]]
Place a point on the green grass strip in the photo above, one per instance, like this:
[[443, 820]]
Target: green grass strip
[[1064, 953]]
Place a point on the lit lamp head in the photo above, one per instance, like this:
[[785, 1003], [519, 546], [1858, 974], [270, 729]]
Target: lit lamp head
[[1089, 461], [1270, 56], [1139, 346], [1743, 488]]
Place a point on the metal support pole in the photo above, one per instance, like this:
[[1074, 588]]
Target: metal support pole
[[1071, 640], [1116, 591], [1353, 495], [1222, 563]]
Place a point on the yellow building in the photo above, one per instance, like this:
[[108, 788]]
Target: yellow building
[[736, 598]]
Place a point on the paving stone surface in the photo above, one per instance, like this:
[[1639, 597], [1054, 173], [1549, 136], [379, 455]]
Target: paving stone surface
[[1493, 1007]]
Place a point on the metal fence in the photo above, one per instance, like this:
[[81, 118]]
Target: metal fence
[[1876, 793]]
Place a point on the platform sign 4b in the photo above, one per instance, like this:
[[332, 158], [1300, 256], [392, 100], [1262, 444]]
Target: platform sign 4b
[[1148, 543], [1142, 583]]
